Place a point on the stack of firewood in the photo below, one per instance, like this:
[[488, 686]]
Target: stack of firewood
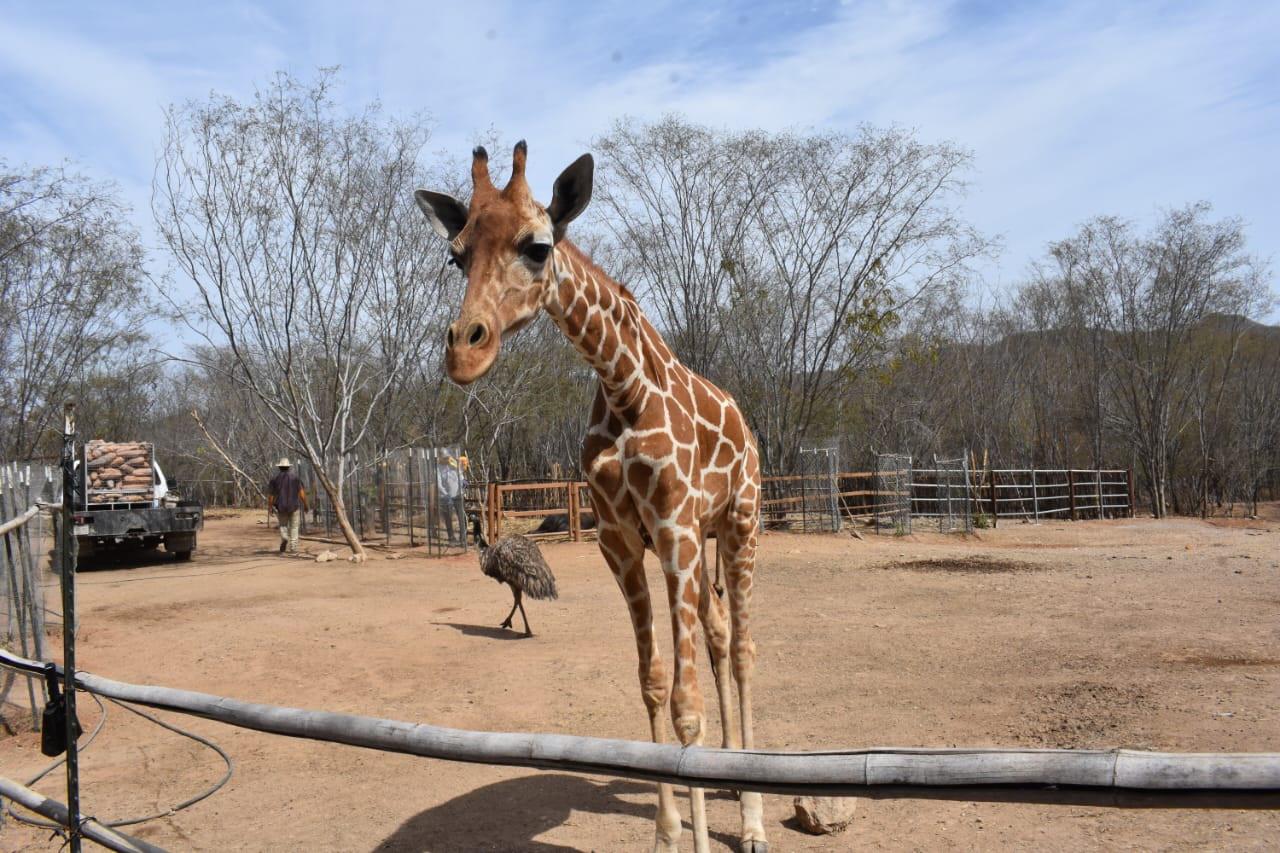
[[118, 471]]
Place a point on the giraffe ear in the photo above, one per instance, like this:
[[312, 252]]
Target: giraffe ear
[[572, 193], [446, 214]]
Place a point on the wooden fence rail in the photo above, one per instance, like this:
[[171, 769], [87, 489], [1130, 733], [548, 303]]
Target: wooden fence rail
[[789, 499]]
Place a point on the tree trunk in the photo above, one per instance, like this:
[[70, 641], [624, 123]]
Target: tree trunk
[[340, 512]]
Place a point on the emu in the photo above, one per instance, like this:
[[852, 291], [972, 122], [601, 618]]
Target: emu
[[517, 562]]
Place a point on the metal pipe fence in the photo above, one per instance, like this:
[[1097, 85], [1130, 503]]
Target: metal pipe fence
[[415, 496]]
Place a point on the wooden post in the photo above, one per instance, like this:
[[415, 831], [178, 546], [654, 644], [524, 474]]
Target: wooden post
[[1128, 478], [995, 508], [490, 510], [1071, 491], [575, 517], [1035, 499], [1098, 498]]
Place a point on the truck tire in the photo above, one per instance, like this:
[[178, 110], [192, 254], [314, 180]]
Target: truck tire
[[180, 544], [183, 556]]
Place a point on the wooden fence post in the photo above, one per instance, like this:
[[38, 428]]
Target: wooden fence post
[[1035, 499], [1071, 491], [575, 519], [1128, 478], [495, 498]]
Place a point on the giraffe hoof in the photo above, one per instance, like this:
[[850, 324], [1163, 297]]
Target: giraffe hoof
[[751, 845]]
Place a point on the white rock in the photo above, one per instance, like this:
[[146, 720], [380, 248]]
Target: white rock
[[825, 815]]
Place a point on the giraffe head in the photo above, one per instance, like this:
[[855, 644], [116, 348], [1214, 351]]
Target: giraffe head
[[503, 244]]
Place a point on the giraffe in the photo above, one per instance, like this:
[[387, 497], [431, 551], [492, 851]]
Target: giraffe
[[667, 454]]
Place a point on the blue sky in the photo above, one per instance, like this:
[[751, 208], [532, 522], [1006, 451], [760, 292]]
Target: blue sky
[[1070, 109]]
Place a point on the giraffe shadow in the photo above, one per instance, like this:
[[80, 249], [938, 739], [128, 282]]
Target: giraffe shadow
[[493, 633], [509, 815]]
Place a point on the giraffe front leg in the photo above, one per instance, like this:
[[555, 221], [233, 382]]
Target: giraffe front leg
[[679, 549], [626, 560], [738, 539]]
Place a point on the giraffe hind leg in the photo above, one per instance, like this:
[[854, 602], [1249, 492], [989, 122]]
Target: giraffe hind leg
[[715, 628]]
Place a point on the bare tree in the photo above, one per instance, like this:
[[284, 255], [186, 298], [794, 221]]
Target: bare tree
[[678, 200], [851, 234], [1149, 295], [292, 223], [70, 276]]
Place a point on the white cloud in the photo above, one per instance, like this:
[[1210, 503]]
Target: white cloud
[[1070, 109]]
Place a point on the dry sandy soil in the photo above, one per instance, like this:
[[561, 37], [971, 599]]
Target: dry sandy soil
[[1154, 635]]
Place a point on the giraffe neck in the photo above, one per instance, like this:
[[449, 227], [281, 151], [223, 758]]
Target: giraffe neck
[[604, 323]]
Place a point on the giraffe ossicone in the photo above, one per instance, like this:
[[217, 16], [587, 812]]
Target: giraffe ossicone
[[667, 454]]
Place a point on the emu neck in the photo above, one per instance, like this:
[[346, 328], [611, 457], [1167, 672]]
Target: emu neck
[[605, 325]]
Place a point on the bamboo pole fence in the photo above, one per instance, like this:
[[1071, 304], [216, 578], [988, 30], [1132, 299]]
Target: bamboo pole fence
[[20, 582], [112, 839], [876, 772]]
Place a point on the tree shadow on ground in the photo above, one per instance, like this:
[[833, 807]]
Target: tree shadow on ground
[[509, 815], [493, 633]]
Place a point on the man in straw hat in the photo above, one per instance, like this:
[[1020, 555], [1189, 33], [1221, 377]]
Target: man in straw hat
[[288, 499], [451, 483]]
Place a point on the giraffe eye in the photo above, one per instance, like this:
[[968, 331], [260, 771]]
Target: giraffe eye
[[537, 252]]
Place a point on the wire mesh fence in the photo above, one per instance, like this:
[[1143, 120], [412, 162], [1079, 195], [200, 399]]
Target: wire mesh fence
[[942, 495], [893, 492], [809, 500], [410, 496]]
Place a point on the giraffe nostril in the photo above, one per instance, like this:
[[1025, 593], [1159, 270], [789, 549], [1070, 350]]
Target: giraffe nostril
[[449, 337], [477, 335]]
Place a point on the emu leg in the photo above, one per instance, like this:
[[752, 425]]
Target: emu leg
[[520, 604], [515, 594]]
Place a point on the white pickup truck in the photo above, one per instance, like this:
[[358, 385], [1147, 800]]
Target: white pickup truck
[[123, 500]]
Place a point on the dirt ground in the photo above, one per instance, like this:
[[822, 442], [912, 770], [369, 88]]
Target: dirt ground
[[1147, 634]]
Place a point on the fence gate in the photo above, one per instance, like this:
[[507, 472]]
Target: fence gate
[[893, 493], [819, 485], [944, 495]]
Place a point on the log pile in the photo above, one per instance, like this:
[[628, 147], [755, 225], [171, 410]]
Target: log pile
[[118, 472]]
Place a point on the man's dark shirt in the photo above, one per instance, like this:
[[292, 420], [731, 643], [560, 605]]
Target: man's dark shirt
[[286, 488]]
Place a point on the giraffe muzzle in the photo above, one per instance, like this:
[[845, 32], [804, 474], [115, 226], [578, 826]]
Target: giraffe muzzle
[[471, 347]]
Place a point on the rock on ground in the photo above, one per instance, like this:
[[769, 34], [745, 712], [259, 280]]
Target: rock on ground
[[824, 815]]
